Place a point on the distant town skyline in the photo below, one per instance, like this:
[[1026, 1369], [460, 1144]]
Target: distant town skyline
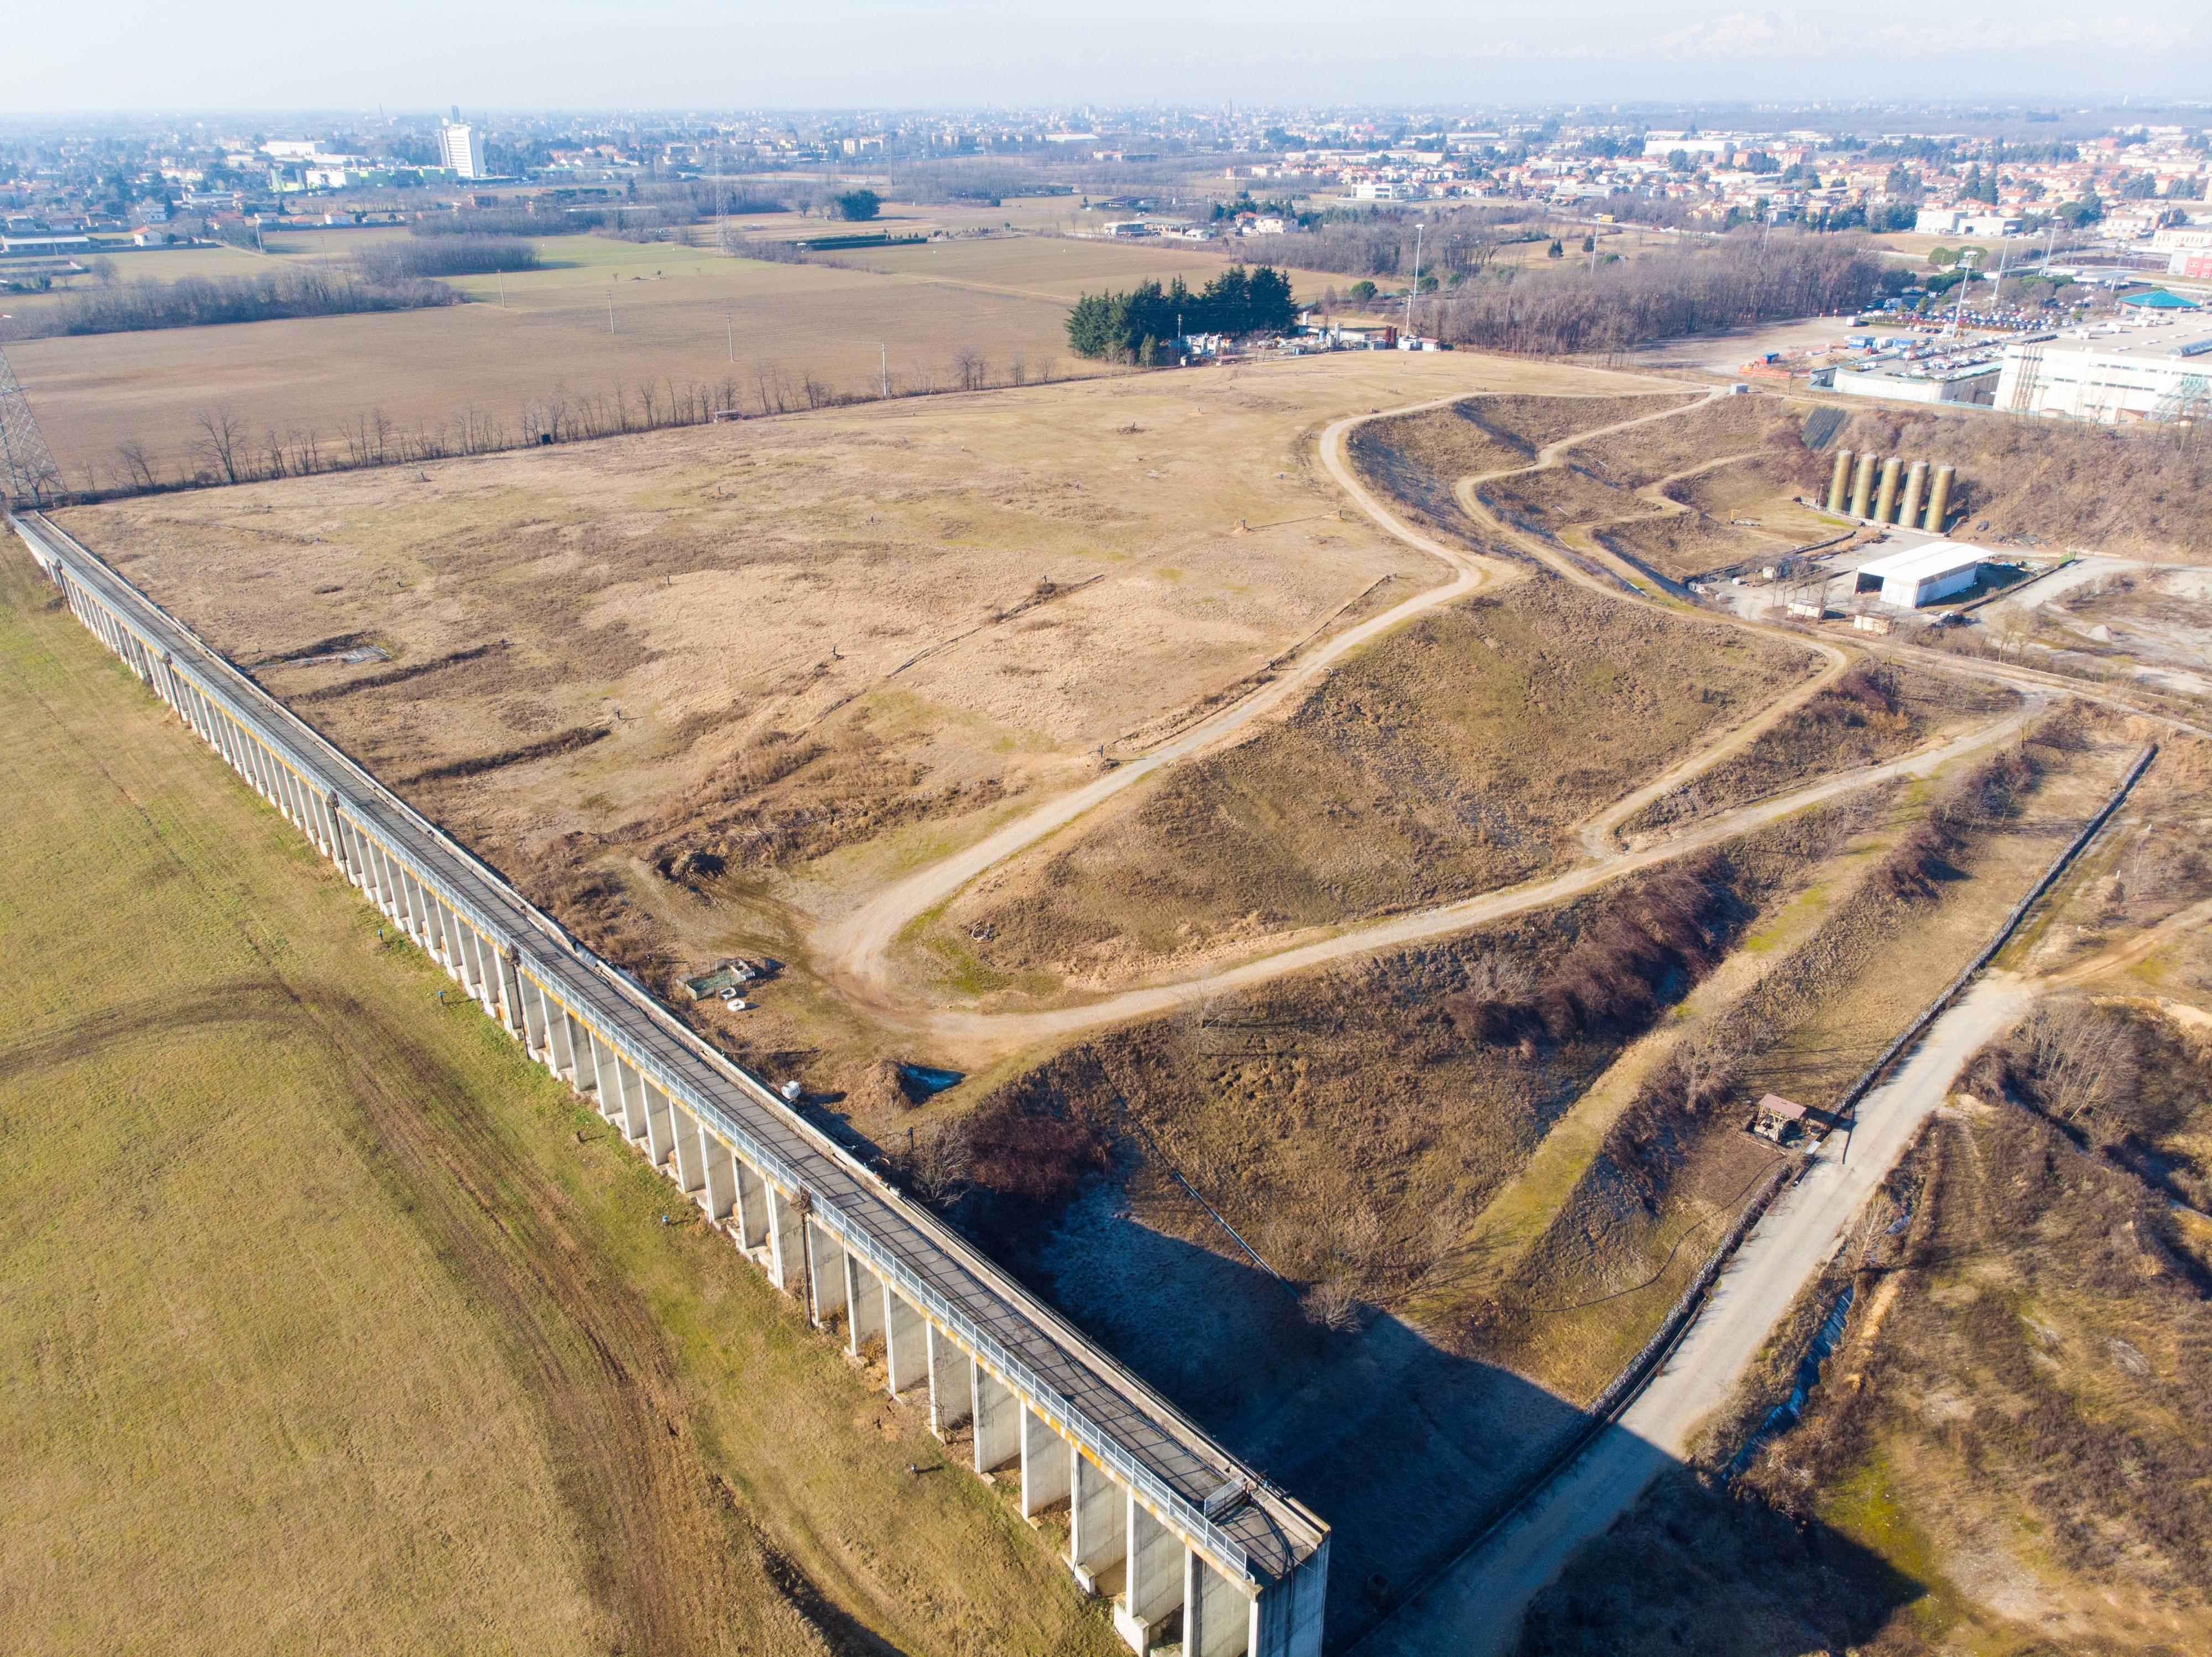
[[664, 55]]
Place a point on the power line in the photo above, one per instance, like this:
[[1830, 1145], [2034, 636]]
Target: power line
[[27, 470]]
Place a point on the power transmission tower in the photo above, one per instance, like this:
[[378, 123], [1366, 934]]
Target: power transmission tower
[[27, 472]]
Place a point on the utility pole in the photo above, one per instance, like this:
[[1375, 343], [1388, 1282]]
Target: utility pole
[[501, 279], [1416, 288], [883, 364], [610, 310], [730, 334], [1958, 311]]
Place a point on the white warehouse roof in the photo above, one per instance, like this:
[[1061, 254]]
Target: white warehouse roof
[[1919, 563]]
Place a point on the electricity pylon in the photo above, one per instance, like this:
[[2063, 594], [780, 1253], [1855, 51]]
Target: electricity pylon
[[27, 472]]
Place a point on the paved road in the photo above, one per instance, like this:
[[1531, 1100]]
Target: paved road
[[1476, 1607]]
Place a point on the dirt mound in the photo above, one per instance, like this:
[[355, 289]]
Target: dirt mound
[[886, 1087]]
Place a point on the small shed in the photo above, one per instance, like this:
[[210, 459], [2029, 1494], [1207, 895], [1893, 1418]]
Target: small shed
[[1778, 1117]]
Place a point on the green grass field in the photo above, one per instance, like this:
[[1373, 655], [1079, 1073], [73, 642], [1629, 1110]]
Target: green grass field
[[328, 1321]]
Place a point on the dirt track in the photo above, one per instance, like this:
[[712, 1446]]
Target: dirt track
[[855, 951]]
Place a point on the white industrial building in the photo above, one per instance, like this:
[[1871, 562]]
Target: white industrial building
[[1965, 222], [2157, 369], [459, 151], [1965, 375], [1922, 574]]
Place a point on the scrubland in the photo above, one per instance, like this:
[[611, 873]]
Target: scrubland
[[1444, 760]]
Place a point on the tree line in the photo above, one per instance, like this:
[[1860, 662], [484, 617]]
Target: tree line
[[199, 301], [1748, 279], [444, 256], [228, 448], [1125, 327]]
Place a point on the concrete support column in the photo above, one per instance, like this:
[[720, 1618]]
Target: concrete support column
[[632, 1101], [532, 995], [386, 893], [568, 1042], [750, 1208], [409, 893], [951, 1392], [998, 1414], [690, 1165], [660, 1126], [720, 1194], [1217, 1619], [607, 1079], [510, 993], [825, 1274], [863, 1308], [484, 971], [1044, 1465], [1097, 1527], [786, 1246], [1151, 1581], [433, 925], [906, 1342]]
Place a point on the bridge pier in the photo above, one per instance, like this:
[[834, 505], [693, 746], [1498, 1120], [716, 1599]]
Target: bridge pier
[[1045, 1470], [951, 1397], [999, 1414]]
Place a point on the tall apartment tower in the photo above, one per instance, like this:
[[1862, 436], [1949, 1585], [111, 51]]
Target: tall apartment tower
[[458, 153]]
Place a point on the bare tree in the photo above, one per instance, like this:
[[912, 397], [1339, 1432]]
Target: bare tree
[[970, 369], [136, 466], [222, 440], [1017, 369]]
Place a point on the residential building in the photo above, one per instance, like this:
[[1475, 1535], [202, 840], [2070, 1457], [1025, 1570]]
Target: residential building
[[459, 151]]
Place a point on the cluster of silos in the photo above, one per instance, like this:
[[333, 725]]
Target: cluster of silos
[[1866, 486]]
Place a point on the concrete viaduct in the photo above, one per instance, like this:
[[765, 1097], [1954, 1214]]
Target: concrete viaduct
[[1188, 1546]]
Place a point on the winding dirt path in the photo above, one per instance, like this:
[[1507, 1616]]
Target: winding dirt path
[[855, 951]]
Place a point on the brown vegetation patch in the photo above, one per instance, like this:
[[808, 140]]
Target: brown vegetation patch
[[1446, 760], [1875, 712], [2054, 485], [1682, 546]]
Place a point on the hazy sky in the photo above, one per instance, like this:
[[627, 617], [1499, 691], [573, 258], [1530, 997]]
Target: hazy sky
[[411, 54]]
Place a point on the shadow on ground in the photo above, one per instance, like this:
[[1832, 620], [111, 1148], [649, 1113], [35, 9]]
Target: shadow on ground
[[1405, 1450]]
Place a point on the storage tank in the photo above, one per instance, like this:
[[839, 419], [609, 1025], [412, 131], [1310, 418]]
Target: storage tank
[[1863, 486], [1939, 499], [1839, 481], [1885, 504], [1915, 493]]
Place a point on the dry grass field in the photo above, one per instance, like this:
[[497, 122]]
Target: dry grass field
[[805, 654], [327, 1321], [1446, 760], [679, 312]]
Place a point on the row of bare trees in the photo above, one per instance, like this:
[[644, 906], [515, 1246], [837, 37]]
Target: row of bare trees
[[1750, 277], [227, 446]]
